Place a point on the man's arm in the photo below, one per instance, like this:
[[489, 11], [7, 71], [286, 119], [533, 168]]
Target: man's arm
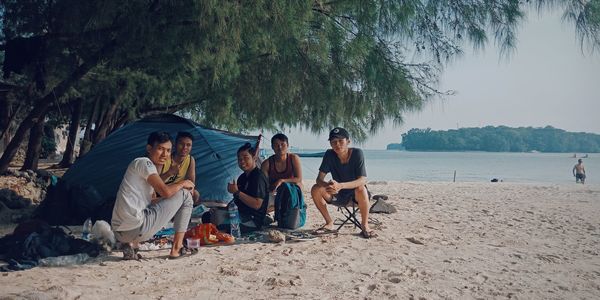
[[254, 203], [167, 191], [297, 179], [191, 171], [264, 167], [321, 179], [360, 181], [173, 170], [297, 166], [334, 187]]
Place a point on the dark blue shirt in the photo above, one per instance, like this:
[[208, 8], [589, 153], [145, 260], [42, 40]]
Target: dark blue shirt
[[350, 171], [254, 184]]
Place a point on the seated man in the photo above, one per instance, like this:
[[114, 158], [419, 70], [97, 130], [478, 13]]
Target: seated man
[[250, 191], [282, 166], [181, 165], [347, 168], [137, 215]]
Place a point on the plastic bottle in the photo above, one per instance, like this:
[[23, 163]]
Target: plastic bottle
[[87, 229], [234, 219], [65, 260]]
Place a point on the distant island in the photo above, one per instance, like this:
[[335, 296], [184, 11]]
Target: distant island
[[499, 139]]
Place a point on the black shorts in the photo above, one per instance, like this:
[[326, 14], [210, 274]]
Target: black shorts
[[343, 197], [580, 176]]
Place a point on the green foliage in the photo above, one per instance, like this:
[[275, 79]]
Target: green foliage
[[243, 65], [501, 139]]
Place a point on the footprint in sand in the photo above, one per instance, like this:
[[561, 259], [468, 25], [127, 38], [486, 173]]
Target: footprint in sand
[[228, 271], [549, 258], [394, 277], [294, 280], [480, 278], [414, 240], [372, 287]]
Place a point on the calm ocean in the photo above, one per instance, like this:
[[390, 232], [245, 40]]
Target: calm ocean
[[469, 166]]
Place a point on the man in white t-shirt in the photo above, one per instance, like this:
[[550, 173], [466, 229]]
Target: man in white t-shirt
[[138, 214]]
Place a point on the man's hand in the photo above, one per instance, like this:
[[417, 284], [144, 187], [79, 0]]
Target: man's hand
[[333, 187], [232, 187], [188, 184], [277, 184], [155, 200]]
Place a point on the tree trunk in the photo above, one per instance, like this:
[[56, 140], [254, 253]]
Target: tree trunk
[[107, 120], [122, 120], [67, 159], [35, 145], [42, 104], [6, 118], [32, 118], [86, 142], [4, 113]]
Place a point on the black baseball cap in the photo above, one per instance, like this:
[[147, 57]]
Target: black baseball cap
[[338, 132]]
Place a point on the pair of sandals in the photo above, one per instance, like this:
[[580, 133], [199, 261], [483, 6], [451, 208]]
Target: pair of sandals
[[184, 252], [368, 234], [365, 234], [324, 230], [129, 253]]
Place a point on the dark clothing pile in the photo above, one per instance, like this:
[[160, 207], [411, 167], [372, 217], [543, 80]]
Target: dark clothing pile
[[34, 240]]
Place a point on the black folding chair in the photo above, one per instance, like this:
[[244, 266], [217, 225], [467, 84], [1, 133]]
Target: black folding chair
[[349, 209]]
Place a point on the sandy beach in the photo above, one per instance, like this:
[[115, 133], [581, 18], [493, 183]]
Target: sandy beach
[[447, 241]]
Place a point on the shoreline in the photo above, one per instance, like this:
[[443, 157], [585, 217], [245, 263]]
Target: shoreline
[[447, 240]]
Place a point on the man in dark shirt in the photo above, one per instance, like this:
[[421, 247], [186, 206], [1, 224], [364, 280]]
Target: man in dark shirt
[[349, 177], [250, 190]]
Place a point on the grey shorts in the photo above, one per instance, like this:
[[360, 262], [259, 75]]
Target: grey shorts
[[178, 208]]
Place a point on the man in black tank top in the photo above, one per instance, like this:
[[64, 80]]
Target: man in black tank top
[[282, 166]]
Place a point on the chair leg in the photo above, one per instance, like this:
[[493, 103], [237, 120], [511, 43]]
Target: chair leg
[[346, 216], [350, 216], [353, 217]]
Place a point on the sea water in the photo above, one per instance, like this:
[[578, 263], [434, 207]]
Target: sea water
[[469, 166]]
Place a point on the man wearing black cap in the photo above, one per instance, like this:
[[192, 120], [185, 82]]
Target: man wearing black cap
[[349, 176]]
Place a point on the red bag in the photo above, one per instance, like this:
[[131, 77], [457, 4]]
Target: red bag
[[208, 234]]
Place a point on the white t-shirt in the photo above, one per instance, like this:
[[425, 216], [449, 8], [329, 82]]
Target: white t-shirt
[[135, 194]]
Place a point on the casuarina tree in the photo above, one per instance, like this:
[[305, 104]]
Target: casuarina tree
[[242, 65]]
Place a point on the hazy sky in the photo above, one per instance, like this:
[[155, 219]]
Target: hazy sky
[[546, 81]]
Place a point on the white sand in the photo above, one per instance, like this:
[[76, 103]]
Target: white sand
[[480, 240]]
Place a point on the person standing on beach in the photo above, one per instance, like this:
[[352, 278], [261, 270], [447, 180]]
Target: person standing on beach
[[138, 214], [349, 179], [181, 165], [579, 172]]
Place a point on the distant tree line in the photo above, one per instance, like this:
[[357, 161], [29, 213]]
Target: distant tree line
[[239, 65], [500, 139]]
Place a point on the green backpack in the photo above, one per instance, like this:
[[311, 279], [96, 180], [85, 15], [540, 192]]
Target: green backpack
[[290, 209]]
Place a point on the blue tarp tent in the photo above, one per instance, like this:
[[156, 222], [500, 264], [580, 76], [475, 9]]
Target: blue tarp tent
[[99, 173]]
